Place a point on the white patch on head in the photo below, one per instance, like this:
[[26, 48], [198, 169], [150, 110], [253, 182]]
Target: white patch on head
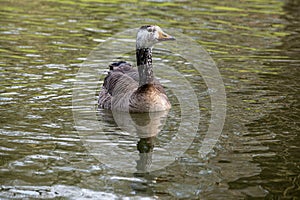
[[147, 37]]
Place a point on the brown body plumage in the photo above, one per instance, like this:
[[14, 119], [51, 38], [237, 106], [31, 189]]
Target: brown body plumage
[[130, 90]]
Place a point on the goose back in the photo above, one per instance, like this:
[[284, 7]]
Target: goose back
[[121, 91]]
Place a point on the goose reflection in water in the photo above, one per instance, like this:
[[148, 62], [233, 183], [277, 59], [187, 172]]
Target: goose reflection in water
[[146, 126]]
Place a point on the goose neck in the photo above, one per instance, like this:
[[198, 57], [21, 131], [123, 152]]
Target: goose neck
[[144, 64]]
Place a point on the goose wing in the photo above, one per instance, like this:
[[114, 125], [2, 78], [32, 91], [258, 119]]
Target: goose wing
[[120, 83]]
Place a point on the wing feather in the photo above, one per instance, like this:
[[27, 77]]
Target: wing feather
[[121, 82]]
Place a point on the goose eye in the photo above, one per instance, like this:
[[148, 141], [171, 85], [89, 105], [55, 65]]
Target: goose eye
[[150, 30]]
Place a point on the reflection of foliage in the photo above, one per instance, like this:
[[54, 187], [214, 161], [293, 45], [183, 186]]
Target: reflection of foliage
[[257, 51], [280, 125], [291, 42]]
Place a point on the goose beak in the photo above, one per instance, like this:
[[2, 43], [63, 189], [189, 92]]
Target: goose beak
[[162, 36]]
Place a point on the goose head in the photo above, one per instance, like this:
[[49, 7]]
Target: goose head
[[149, 35]]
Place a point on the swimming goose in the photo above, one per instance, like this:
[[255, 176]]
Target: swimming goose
[[130, 90]]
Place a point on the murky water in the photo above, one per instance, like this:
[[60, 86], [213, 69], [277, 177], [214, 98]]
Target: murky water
[[255, 45]]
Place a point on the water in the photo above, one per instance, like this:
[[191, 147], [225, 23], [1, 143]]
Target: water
[[256, 48]]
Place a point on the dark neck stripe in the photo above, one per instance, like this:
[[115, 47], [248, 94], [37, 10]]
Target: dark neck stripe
[[144, 63], [144, 56]]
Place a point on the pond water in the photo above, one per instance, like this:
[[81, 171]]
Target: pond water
[[256, 47]]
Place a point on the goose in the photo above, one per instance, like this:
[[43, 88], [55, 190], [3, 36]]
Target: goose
[[130, 90]]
